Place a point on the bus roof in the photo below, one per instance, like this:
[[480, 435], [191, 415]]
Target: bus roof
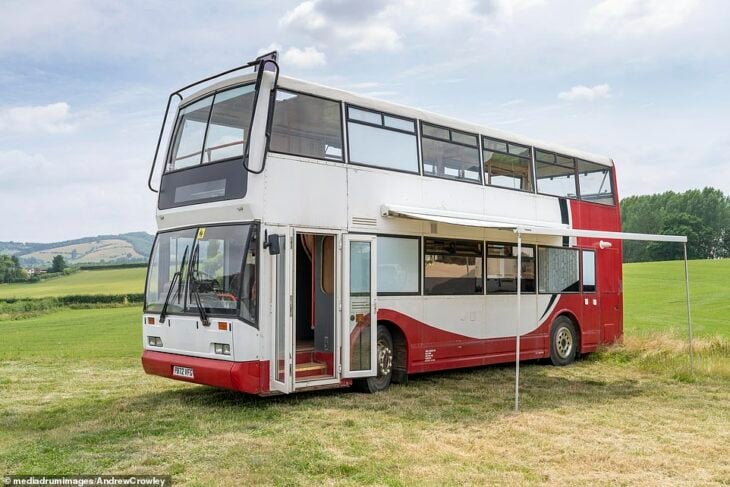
[[309, 87]]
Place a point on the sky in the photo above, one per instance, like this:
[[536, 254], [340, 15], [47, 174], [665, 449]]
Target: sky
[[83, 85]]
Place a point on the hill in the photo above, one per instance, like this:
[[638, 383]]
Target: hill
[[102, 281], [116, 249]]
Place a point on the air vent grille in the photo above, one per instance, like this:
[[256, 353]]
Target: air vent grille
[[364, 221]]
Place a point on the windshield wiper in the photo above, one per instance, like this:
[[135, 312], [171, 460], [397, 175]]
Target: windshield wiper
[[193, 284], [175, 279]]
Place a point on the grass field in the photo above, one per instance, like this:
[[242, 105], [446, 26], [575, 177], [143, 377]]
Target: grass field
[[108, 281], [74, 399], [654, 297]]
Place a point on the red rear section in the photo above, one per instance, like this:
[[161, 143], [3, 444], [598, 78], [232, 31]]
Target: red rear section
[[609, 296]]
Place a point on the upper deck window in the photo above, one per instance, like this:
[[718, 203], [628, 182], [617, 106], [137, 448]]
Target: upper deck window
[[381, 140], [213, 129], [507, 165], [555, 174], [307, 126], [449, 153], [595, 182]]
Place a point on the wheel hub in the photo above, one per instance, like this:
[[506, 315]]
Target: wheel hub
[[385, 358], [564, 342]]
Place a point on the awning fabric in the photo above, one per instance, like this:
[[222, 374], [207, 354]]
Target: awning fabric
[[516, 225]]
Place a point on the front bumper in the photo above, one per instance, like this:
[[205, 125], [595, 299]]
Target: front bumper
[[250, 377]]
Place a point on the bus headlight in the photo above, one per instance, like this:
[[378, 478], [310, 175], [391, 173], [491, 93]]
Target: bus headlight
[[154, 341], [222, 348]]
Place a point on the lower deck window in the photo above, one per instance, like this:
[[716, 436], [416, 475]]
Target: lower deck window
[[398, 263], [502, 268], [589, 271], [558, 270], [453, 267]]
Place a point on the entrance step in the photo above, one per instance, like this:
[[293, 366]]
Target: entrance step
[[310, 369], [305, 355]]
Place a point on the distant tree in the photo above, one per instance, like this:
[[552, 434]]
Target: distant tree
[[11, 270], [702, 215], [59, 264]]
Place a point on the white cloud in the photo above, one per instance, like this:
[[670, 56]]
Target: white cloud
[[306, 58], [274, 46], [51, 119], [356, 27], [586, 93], [639, 16]]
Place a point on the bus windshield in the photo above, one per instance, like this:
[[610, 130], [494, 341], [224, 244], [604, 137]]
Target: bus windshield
[[214, 128], [220, 270]]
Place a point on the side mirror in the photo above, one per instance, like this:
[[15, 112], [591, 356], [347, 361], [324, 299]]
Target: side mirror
[[272, 243]]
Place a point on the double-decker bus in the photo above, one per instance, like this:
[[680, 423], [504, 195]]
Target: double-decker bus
[[313, 238]]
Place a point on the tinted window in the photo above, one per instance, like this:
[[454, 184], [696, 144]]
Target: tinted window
[[555, 178], [507, 165], [595, 182], [558, 270], [374, 143], [307, 126], [449, 154], [453, 267], [398, 265], [502, 268]]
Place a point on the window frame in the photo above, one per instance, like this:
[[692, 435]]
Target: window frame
[[342, 128], [555, 163], [483, 266], [580, 268], [513, 244], [420, 266], [382, 126], [530, 158], [610, 182], [212, 94], [450, 140]]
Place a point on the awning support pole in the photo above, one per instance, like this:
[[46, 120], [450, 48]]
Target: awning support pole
[[689, 313], [519, 319]]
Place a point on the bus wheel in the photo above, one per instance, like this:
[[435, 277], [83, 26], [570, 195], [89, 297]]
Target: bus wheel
[[563, 341], [384, 359]]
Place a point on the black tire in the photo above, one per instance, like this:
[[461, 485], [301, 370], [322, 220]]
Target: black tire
[[384, 357], [564, 342]]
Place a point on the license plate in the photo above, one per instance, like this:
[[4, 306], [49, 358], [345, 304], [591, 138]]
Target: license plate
[[186, 372]]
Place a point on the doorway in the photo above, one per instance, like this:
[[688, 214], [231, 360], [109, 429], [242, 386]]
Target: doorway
[[314, 316]]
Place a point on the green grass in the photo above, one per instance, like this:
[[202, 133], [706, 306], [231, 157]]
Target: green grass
[[74, 399], [654, 297], [108, 281]]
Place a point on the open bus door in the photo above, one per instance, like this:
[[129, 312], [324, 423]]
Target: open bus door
[[282, 374], [359, 311]]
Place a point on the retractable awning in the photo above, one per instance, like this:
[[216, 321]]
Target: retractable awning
[[528, 227]]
